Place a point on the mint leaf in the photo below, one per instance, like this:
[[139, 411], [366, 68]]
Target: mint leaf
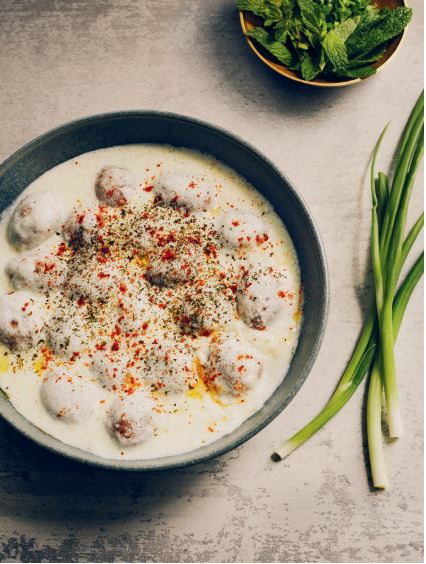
[[345, 29], [377, 31], [334, 43], [255, 6], [287, 7], [367, 58], [312, 17], [277, 49], [265, 9], [361, 72], [336, 52], [309, 69], [281, 31]]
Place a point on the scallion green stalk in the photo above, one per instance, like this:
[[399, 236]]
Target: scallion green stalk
[[387, 250], [375, 388]]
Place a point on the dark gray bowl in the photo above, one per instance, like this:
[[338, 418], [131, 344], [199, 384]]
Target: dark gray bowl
[[124, 128]]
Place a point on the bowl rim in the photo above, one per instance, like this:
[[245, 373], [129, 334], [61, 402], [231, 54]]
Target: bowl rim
[[15, 419], [270, 63]]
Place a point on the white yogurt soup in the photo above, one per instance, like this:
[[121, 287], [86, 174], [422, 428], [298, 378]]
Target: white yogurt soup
[[150, 301]]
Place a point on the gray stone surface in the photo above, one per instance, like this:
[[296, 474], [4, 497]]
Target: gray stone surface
[[63, 59]]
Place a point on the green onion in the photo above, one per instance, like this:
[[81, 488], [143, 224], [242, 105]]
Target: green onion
[[387, 256], [374, 349], [375, 389]]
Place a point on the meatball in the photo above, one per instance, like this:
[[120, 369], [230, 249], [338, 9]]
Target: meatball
[[174, 264], [130, 419], [67, 396], [185, 191], [67, 338], [81, 227], [262, 294], [115, 186], [111, 369], [242, 228], [205, 308], [232, 367], [35, 219], [169, 369], [94, 281], [135, 308], [36, 271], [21, 320]]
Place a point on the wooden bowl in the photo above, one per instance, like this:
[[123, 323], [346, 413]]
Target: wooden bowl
[[248, 21]]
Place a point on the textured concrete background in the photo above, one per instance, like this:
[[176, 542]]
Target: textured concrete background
[[63, 59]]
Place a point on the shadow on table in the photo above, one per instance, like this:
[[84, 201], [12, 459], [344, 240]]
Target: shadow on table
[[40, 485], [251, 79]]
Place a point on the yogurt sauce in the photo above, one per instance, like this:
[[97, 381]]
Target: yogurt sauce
[[200, 415]]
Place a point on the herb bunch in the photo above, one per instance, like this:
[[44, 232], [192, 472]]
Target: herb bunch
[[374, 351], [332, 39]]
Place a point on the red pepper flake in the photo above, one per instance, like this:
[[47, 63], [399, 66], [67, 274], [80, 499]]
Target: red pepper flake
[[49, 267], [233, 288], [194, 240], [162, 306], [74, 356], [116, 331], [61, 249], [148, 188], [44, 267], [260, 239], [123, 288], [99, 220], [103, 275], [144, 326], [282, 294], [115, 346], [47, 357], [168, 254], [80, 301], [192, 184], [80, 218], [235, 222], [100, 346]]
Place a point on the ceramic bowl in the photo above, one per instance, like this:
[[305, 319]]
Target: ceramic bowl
[[122, 128], [248, 21]]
